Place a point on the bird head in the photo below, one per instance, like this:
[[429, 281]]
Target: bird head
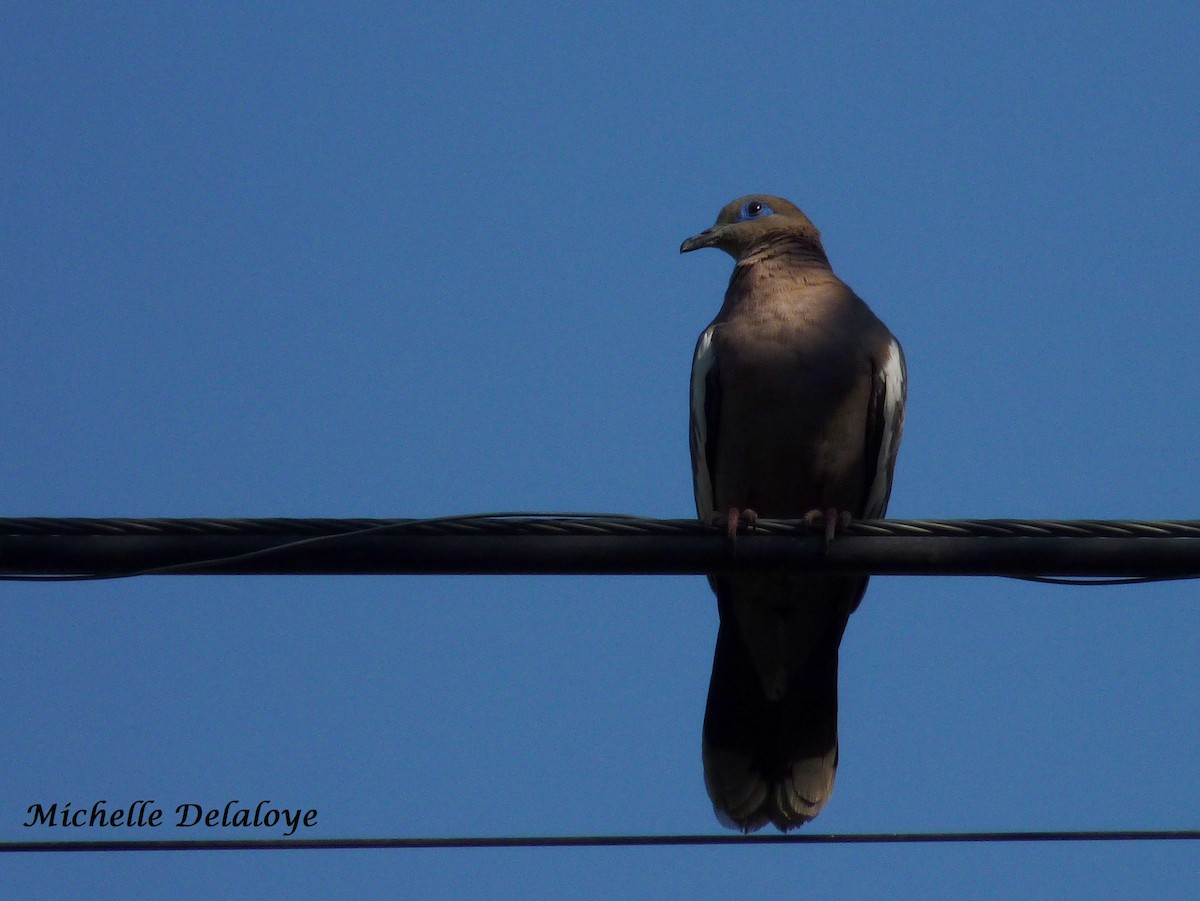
[[747, 222]]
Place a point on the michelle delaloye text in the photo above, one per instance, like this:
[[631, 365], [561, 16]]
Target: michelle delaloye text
[[145, 814]]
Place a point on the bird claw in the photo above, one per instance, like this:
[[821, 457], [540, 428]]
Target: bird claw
[[831, 518], [733, 520]]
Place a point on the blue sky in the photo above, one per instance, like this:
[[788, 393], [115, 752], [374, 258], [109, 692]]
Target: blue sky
[[361, 260]]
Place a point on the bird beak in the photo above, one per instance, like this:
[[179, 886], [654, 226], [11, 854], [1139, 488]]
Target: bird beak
[[707, 238]]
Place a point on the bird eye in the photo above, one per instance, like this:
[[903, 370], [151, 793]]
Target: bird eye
[[753, 209]]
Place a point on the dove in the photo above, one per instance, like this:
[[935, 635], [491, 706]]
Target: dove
[[797, 409]]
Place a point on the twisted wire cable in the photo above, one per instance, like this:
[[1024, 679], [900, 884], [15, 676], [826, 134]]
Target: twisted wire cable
[[522, 523], [1111, 551]]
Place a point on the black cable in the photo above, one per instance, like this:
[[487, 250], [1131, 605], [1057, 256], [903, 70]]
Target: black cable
[[548, 523], [1088, 552], [379, 527], [605, 841]]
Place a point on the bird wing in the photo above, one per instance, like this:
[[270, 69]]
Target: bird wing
[[705, 420], [885, 425]]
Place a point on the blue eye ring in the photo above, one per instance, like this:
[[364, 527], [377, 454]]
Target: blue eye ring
[[754, 209]]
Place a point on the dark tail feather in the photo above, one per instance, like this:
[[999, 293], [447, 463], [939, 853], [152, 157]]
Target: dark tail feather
[[769, 761]]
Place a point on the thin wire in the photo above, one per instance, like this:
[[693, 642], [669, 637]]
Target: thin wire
[[1088, 581], [604, 841]]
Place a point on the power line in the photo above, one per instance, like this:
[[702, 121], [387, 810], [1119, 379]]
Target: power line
[[46, 549], [78, 548], [604, 841]]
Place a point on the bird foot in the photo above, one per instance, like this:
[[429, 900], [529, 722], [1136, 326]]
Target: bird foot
[[832, 519], [733, 520]]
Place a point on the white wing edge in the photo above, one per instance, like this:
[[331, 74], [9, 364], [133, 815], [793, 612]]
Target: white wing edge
[[702, 364], [894, 390]]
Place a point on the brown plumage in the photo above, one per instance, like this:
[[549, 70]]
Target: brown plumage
[[797, 408]]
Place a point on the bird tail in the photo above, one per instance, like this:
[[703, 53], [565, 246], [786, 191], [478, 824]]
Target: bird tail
[[769, 761]]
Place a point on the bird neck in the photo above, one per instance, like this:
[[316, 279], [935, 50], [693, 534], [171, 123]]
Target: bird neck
[[792, 250]]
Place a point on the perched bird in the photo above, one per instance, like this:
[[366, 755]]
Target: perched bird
[[797, 409]]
